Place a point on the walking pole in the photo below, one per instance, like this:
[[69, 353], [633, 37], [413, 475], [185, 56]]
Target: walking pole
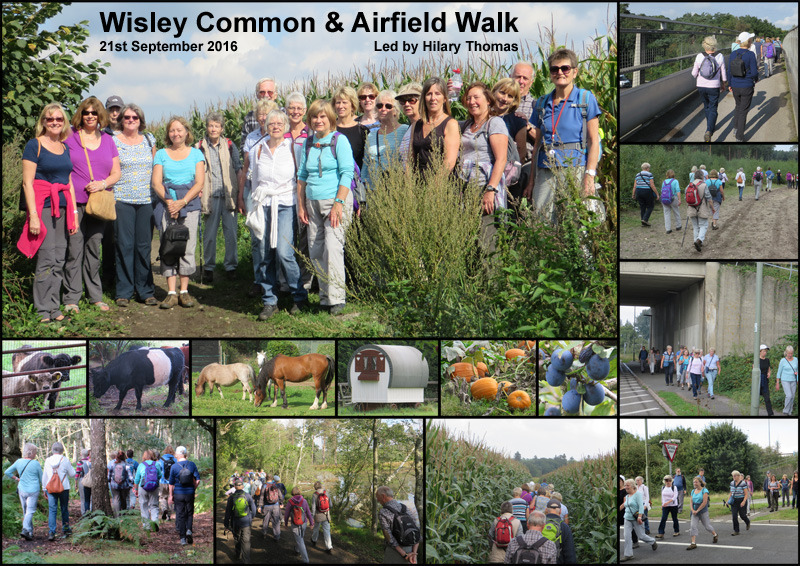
[[686, 229]]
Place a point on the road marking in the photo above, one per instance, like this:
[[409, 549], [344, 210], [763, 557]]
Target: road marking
[[647, 397], [642, 411], [622, 540]]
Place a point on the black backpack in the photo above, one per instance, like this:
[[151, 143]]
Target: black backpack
[[173, 243], [737, 64], [167, 467], [404, 529], [185, 476], [527, 554]]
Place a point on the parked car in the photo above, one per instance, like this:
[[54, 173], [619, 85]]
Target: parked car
[[624, 82]]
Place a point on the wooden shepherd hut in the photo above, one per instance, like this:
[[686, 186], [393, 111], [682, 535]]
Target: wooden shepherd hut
[[387, 374]]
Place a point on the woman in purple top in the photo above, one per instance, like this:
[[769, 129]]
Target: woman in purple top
[[295, 516], [95, 167], [709, 70]]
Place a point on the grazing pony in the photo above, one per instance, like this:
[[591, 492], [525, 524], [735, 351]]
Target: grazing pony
[[218, 374], [281, 369]]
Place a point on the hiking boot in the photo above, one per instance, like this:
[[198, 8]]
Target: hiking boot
[[636, 545], [698, 245], [169, 302], [691, 546], [735, 533], [299, 307], [26, 535], [337, 309], [164, 515], [51, 537], [714, 227], [659, 536], [669, 231], [189, 537], [267, 312], [151, 301], [655, 545], [183, 542], [121, 302], [186, 300], [645, 223], [748, 524], [676, 534], [716, 538], [678, 229], [626, 558], [707, 137]]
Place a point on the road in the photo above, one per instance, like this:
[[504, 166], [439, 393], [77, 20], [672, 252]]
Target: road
[[635, 399], [764, 543], [769, 119]]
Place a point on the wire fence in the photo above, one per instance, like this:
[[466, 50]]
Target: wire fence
[[23, 390]]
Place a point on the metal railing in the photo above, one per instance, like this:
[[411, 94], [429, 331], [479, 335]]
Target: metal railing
[[789, 46], [42, 370]]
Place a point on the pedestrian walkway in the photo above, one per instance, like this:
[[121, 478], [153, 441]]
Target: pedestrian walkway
[[635, 399], [769, 119]]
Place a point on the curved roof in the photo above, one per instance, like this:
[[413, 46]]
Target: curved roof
[[407, 366]]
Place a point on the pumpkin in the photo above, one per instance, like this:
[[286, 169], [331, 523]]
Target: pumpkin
[[484, 388], [483, 369], [526, 344], [519, 400], [505, 385], [514, 353], [463, 370]]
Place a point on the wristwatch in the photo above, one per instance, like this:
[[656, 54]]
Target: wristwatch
[[592, 172], [490, 188], [340, 201]]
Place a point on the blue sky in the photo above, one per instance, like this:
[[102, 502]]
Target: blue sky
[[167, 83], [780, 14]]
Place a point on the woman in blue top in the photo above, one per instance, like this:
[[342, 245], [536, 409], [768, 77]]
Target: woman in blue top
[[787, 375], [561, 148], [178, 177], [700, 503], [325, 202], [668, 364], [29, 478], [634, 511], [742, 85], [674, 205], [148, 500], [644, 191], [717, 189], [383, 143]]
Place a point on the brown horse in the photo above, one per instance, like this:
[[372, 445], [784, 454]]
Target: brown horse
[[296, 369]]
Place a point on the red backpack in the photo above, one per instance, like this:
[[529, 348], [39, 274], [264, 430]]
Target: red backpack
[[502, 532], [324, 502], [297, 514], [693, 196]]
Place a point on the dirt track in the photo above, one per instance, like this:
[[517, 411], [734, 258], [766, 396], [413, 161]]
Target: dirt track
[[749, 229]]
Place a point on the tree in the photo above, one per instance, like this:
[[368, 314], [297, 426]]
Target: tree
[[374, 475], [40, 66], [419, 468], [12, 447], [724, 448], [100, 493]]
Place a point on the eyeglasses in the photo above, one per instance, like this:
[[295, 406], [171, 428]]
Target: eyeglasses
[[131, 118], [89, 113], [367, 96], [563, 68], [56, 119], [386, 105], [275, 125], [409, 100], [266, 92]]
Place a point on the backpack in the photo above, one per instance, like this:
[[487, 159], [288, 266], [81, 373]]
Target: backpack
[[131, 467], [769, 51], [513, 166], [324, 501], [737, 65], [693, 196], [583, 99], [404, 529], [241, 506], [666, 192], [757, 176], [54, 485], [502, 532], [273, 494], [713, 187], [120, 477], [167, 466], [527, 554], [356, 185], [552, 531], [297, 514], [709, 67], [257, 484], [86, 480], [185, 476], [150, 477]]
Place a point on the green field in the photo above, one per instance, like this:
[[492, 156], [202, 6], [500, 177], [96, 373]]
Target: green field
[[429, 409]]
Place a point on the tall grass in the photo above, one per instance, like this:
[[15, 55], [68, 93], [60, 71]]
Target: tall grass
[[466, 483]]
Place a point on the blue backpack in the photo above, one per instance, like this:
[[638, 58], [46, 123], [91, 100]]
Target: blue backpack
[[150, 477], [356, 185], [769, 51], [583, 106], [666, 192]]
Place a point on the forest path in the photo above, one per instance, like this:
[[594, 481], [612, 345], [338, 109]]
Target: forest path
[[165, 541], [265, 550]]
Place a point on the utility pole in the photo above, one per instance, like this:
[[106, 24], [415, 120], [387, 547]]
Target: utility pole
[[646, 457], [756, 373]]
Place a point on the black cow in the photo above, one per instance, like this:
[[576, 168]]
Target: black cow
[[35, 361], [137, 369]]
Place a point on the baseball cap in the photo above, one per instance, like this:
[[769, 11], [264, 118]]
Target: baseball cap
[[114, 101], [744, 36]]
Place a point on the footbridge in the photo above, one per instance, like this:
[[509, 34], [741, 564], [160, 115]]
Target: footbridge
[[707, 305]]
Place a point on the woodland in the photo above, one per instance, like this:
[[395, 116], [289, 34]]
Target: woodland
[[351, 458], [98, 536]]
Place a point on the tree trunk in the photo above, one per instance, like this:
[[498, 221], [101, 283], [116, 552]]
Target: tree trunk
[[12, 446], [100, 494], [418, 471], [302, 442], [374, 475]]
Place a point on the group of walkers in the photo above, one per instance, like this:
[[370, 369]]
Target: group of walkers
[[682, 368], [532, 528], [300, 179], [256, 493], [160, 483], [738, 75], [703, 195], [777, 490]]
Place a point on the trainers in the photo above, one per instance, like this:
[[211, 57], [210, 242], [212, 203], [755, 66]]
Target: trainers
[[698, 245], [267, 312], [169, 302], [716, 538], [26, 535], [122, 302], [183, 542], [51, 537], [678, 229], [676, 534], [735, 533], [669, 231], [691, 546], [151, 301], [659, 536], [186, 300], [655, 545], [299, 307]]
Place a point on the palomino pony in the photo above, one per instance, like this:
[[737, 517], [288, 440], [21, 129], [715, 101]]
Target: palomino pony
[[218, 374], [296, 369]]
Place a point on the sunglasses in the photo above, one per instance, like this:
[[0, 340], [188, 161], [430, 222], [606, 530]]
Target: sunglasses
[[266, 92], [56, 119], [131, 118], [89, 113], [367, 96], [409, 100], [563, 68], [386, 105]]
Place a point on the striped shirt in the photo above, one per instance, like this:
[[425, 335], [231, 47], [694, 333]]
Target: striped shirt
[[737, 490], [643, 179], [518, 507]]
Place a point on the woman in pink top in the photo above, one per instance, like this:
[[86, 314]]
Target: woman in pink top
[[95, 167], [696, 370], [709, 70]]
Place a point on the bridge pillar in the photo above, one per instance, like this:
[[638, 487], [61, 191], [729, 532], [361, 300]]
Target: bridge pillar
[[637, 60]]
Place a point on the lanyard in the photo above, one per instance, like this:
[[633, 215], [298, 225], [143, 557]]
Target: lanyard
[[555, 125]]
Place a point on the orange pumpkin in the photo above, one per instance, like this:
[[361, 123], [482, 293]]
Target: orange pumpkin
[[514, 353], [463, 370], [505, 385], [519, 400], [483, 369], [526, 344], [484, 388]]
